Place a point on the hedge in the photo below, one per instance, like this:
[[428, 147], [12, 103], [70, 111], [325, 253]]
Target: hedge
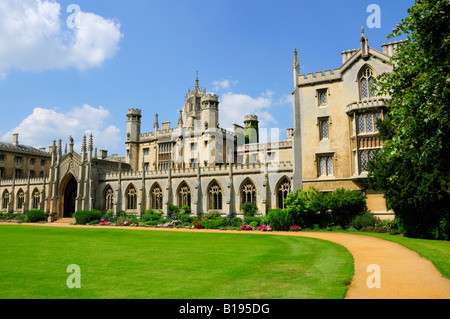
[[34, 216], [280, 219], [83, 217]]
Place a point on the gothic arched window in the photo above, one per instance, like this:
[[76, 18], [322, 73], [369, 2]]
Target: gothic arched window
[[184, 195], [131, 198], [215, 196], [366, 82], [5, 199], [248, 192], [109, 199], [157, 197], [36, 199], [284, 188], [20, 199]]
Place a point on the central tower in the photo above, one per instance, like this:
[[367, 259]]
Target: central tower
[[193, 105]]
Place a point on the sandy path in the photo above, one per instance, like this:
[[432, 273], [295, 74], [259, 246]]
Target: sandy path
[[403, 274]]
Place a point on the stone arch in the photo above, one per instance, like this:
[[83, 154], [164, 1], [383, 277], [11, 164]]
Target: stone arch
[[35, 199], [365, 78], [68, 194], [184, 194], [282, 189], [20, 199], [248, 191], [5, 200], [108, 196], [156, 196], [214, 193], [131, 197]]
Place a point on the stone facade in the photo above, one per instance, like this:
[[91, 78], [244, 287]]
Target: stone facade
[[199, 164], [335, 117]]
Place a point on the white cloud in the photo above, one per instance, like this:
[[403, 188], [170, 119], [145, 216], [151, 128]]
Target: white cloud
[[233, 108], [33, 36], [45, 125], [223, 84]]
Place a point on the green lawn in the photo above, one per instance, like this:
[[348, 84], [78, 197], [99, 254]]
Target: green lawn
[[437, 251], [133, 263]]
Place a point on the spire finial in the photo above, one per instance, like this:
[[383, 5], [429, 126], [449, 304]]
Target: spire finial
[[296, 63], [196, 80], [180, 118], [364, 45], [156, 124]]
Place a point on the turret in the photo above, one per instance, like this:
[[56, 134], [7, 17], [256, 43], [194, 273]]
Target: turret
[[210, 111], [133, 125], [251, 129], [133, 137]]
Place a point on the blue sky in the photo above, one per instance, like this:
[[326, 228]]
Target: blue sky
[[57, 81]]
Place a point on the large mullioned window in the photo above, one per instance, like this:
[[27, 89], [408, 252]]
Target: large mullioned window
[[215, 196], [157, 197], [366, 82]]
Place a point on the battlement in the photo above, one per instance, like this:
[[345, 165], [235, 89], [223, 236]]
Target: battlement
[[21, 182], [347, 55], [389, 48], [210, 97], [224, 169], [250, 117], [134, 112], [319, 76]]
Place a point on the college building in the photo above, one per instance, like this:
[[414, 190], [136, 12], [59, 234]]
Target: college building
[[197, 163]]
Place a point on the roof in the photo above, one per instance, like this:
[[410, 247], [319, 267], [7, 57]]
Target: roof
[[23, 149]]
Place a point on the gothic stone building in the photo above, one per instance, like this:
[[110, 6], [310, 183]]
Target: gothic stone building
[[208, 168], [335, 128]]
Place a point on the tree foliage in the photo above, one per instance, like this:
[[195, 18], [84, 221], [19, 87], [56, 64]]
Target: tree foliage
[[413, 169]]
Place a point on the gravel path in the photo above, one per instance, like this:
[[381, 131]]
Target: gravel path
[[400, 272]]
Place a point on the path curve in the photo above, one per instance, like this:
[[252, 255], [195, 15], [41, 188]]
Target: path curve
[[404, 274]]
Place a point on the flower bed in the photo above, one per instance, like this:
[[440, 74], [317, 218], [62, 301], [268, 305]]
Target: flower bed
[[264, 227]]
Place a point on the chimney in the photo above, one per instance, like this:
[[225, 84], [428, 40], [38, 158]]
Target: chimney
[[15, 140]]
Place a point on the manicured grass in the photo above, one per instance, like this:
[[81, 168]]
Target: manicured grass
[[133, 263], [436, 251]]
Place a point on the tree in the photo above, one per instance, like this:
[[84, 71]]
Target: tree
[[413, 169]]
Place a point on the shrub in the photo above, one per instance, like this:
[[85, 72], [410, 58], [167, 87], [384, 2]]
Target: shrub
[[109, 215], [346, 204], [280, 219], [174, 209], [363, 220], [249, 219], [254, 224], [234, 221], [213, 223], [185, 218], [19, 216], [308, 207], [34, 216], [186, 209], [249, 209], [150, 216], [83, 217], [212, 215]]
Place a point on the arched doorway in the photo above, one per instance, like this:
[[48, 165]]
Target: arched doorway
[[69, 192]]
